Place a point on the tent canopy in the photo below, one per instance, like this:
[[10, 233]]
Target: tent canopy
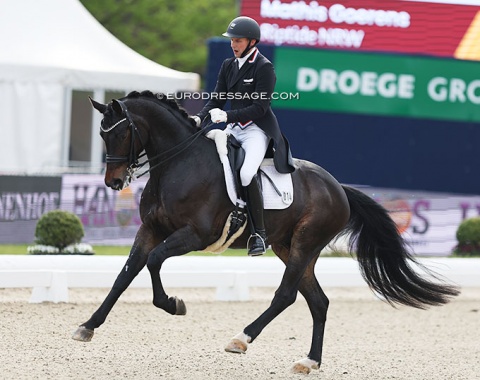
[[49, 48], [59, 40]]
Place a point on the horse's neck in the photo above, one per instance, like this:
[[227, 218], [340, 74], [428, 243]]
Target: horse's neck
[[181, 155], [167, 131], [173, 143]]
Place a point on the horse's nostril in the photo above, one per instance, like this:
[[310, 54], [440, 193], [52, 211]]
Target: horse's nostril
[[117, 184]]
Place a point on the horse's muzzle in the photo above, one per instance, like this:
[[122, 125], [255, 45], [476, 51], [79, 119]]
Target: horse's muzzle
[[115, 184], [117, 177]]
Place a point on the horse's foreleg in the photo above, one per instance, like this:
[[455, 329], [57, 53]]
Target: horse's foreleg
[[179, 243], [135, 262], [318, 304]]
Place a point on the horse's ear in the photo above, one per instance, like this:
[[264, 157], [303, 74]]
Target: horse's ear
[[117, 107], [98, 106]]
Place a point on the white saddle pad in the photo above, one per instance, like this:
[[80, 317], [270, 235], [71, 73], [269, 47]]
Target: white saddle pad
[[276, 196]]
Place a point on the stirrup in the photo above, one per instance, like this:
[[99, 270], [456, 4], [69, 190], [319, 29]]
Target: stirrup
[[259, 245]]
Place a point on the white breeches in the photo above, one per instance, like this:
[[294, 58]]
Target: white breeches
[[255, 143]]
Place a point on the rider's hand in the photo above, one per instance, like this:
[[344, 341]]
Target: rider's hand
[[197, 120], [218, 116]]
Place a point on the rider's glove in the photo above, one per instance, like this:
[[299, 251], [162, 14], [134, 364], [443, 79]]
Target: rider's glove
[[218, 116], [197, 120]]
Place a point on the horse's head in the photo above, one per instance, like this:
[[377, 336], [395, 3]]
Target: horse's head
[[122, 140], [152, 123]]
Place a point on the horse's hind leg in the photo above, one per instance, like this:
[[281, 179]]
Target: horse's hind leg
[[284, 296], [135, 262], [318, 304], [294, 278]]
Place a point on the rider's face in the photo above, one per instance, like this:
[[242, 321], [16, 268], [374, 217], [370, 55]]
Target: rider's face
[[239, 45]]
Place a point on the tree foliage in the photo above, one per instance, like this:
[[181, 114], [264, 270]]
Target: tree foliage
[[171, 33]]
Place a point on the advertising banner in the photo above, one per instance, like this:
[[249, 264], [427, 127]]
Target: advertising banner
[[427, 221], [378, 84], [23, 200], [445, 30], [108, 216]]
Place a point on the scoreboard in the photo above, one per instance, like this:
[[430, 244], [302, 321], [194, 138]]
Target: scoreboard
[[406, 27]]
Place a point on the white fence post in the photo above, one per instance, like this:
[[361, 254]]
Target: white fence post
[[56, 292], [240, 290]]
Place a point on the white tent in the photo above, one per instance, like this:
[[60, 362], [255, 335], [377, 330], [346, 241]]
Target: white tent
[[48, 49]]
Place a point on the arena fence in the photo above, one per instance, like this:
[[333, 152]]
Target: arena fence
[[51, 276]]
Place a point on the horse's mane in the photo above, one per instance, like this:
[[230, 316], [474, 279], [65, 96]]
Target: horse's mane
[[163, 99]]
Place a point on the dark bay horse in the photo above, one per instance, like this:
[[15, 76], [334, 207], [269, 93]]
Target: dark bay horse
[[185, 206]]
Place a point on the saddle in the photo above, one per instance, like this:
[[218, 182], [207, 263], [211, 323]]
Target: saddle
[[277, 188]]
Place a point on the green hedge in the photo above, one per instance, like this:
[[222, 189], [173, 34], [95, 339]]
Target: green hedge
[[468, 237], [59, 229]]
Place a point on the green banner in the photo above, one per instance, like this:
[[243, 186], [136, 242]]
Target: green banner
[[378, 84]]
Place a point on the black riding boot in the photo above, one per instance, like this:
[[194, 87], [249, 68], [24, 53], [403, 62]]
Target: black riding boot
[[257, 243]]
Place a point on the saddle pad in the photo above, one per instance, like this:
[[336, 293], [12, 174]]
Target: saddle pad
[[272, 200], [283, 184]]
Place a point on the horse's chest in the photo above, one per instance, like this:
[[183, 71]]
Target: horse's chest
[[160, 210]]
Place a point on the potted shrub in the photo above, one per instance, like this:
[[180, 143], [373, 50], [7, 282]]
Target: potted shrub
[[468, 237], [59, 232]]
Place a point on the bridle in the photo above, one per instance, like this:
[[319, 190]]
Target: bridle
[[132, 158]]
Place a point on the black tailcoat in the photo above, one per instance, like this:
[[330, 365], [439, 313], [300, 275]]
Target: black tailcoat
[[249, 91]]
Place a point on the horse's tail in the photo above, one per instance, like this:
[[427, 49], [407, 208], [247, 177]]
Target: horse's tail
[[384, 258]]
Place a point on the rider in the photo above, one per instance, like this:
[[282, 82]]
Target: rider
[[248, 80]]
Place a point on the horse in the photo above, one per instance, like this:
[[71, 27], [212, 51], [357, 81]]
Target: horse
[[184, 207]]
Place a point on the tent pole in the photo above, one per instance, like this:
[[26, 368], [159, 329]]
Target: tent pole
[[96, 144], [67, 116]]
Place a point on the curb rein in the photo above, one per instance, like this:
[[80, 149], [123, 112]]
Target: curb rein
[[132, 159]]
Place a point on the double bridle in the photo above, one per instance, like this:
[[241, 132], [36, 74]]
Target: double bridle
[[132, 158]]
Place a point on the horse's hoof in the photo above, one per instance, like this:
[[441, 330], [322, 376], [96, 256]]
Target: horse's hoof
[[83, 334], [236, 346], [180, 308], [300, 368], [305, 366]]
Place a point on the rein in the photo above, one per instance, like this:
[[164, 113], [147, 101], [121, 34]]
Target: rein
[[189, 141], [132, 160]]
